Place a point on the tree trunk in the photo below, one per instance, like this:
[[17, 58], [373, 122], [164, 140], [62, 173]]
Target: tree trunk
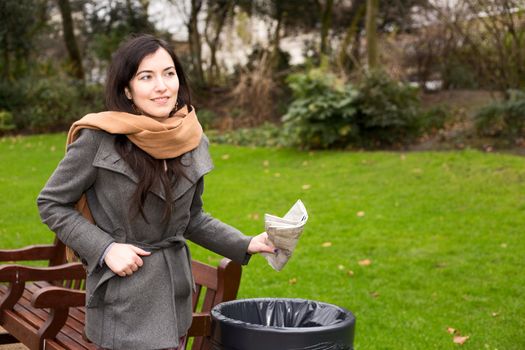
[[195, 41], [213, 43], [371, 34], [274, 58], [7, 66], [345, 61], [70, 41], [326, 24]]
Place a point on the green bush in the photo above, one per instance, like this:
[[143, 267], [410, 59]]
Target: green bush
[[206, 117], [505, 118], [326, 113], [48, 103], [12, 95], [51, 105], [389, 111], [322, 114], [266, 135], [6, 121]]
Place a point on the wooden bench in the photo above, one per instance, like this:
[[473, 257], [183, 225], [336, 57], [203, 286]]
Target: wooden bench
[[43, 307]]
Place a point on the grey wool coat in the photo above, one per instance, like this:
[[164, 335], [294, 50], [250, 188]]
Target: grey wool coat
[[151, 308]]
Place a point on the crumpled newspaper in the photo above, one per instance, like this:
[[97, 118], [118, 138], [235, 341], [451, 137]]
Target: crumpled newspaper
[[284, 234]]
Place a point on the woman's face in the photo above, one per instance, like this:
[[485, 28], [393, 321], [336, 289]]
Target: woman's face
[[155, 86]]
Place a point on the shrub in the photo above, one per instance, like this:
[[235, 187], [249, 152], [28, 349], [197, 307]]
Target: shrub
[[12, 95], [52, 103], [389, 111], [266, 135], [505, 118], [206, 118], [6, 121], [326, 113], [48, 103], [322, 114]]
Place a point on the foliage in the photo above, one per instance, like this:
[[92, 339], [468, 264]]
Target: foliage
[[458, 75], [379, 111], [323, 112], [389, 111], [442, 232], [40, 103], [206, 118], [12, 95], [486, 50], [506, 118], [265, 135], [20, 24], [110, 22], [6, 121]]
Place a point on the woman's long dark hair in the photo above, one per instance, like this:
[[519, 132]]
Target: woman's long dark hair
[[124, 64]]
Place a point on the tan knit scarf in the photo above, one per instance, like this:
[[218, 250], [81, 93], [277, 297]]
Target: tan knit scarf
[[160, 138]]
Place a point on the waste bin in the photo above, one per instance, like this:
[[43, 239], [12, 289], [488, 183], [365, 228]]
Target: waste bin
[[281, 324]]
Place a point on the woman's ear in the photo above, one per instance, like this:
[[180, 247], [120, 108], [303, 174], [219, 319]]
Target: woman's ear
[[128, 93]]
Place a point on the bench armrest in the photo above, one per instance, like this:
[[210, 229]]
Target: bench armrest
[[58, 298], [200, 325], [20, 273], [33, 252]]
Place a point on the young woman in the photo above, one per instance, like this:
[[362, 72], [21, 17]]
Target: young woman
[[127, 195]]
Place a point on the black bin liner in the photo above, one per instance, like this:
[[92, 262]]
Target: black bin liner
[[281, 324]]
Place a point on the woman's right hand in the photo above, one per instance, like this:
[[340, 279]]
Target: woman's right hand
[[124, 259]]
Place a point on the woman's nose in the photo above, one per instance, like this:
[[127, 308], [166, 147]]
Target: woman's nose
[[160, 84]]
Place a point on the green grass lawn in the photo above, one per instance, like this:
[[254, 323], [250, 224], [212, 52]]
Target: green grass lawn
[[442, 232]]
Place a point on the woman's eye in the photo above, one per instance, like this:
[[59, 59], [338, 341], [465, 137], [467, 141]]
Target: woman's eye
[[171, 73], [144, 77]]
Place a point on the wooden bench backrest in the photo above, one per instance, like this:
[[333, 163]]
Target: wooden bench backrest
[[213, 286]]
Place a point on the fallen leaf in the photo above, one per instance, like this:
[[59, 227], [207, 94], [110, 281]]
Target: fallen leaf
[[266, 163], [361, 213], [225, 156], [374, 294], [277, 174], [503, 245], [350, 273], [306, 187], [340, 267], [417, 171], [495, 314], [292, 281], [403, 157], [305, 163], [365, 262], [53, 149], [451, 330], [254, 216], [458, 339], [326, 244]]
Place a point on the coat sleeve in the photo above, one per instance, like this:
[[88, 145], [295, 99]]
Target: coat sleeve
[[213, 234], [73, 176]]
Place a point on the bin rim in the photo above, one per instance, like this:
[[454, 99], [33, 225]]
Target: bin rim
[[233, 322]]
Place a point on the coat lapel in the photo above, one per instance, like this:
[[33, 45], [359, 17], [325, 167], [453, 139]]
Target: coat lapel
[[196, 164]]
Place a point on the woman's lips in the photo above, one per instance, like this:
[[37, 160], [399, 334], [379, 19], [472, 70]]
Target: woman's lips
[[160, 100]]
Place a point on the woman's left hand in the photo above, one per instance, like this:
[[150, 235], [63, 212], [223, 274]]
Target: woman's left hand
[[261, 244]]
